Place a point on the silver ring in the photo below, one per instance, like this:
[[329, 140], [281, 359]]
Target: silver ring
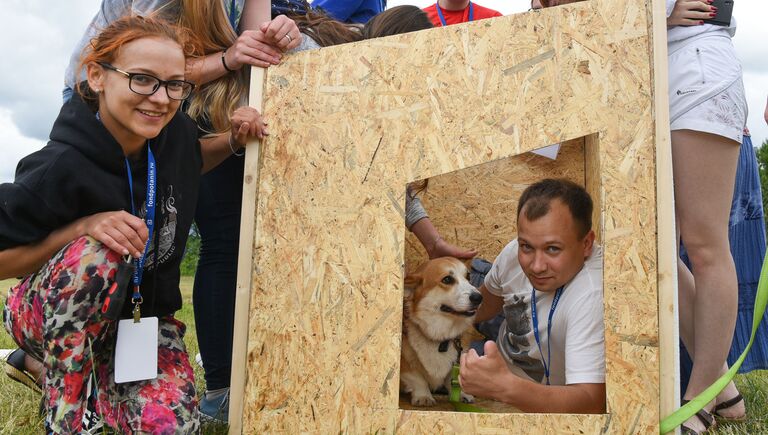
[[289, 38]]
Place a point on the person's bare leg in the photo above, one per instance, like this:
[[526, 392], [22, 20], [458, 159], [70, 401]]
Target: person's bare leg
[[686, 295], [687, 290], [704, 168]]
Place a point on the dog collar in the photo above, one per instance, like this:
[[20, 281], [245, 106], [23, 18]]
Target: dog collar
[[443, 347]]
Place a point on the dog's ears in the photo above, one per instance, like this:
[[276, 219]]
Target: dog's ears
[[468, 263], [411, 281]]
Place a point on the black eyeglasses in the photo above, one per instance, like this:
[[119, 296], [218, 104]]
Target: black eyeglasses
[[146, 84]]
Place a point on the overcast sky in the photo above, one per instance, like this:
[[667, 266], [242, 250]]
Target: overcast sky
[[37, 37]]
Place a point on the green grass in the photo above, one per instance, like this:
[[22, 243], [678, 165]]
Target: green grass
[[18, 404]]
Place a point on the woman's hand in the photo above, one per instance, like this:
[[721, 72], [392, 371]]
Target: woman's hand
[[263, 47], [120, 231], [691, 12], [246, 123], [282, 32], [251, 48]]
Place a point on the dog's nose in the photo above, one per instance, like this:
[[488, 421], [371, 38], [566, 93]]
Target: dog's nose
[[476, 298]]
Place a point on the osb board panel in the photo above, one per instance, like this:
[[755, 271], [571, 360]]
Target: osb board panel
[[476, 207], [592, 182], [444, 405], [353, 124]]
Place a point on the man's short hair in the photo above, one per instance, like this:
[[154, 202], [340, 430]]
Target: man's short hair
[[537, 197]]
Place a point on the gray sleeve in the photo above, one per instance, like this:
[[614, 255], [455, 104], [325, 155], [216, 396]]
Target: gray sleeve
[[414, 211], [109, 11], [307, 43]]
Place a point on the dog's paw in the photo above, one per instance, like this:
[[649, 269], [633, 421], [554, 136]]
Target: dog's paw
[[467, 398], [425, 400]]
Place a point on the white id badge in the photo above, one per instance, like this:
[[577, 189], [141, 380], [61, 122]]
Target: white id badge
[[136, 350]]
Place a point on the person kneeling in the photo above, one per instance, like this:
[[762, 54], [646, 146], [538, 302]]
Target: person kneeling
[[551, 358], [115, 189]]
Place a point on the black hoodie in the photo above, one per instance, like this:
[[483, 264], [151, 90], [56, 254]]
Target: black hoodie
[[82, 171]]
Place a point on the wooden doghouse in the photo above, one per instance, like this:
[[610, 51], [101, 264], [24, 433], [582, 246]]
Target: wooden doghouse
[[323, 245]]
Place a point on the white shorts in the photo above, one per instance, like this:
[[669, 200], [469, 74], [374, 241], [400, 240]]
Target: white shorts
[[706, 91]]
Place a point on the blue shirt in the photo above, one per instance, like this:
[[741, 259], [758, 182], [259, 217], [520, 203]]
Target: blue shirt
[[351, 11]]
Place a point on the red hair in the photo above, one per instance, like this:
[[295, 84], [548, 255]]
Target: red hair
[[106, 46]]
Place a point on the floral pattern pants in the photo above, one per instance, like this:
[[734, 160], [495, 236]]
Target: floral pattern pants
[[54, 315]]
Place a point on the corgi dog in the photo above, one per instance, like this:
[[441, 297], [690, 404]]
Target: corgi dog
[[439, 304]]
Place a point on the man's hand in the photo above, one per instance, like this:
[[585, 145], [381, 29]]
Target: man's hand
[[487, 375], [691, 12]]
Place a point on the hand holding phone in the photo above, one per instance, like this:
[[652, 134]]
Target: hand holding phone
[[723, 13]]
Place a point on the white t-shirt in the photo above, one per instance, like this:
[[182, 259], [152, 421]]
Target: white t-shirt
[[578, 337]]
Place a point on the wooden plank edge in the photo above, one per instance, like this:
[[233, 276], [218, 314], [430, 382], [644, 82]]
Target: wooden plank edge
[[669, 366], [245, 263]]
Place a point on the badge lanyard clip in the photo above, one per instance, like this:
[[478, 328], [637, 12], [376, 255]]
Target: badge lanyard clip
[[149, 219]]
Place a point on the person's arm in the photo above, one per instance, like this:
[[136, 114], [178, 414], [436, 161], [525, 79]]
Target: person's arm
[[118, 230], [246, 123], [492, 289], [765, 114], [488, 376], [417, 221], [435, 245], [260, 46], [490, 307]]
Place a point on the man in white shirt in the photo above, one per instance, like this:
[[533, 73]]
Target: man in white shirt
[[550, 359]]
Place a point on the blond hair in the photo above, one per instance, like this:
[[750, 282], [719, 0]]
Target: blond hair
[[216, 100]]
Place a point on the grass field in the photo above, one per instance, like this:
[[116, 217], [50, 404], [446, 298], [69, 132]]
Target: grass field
[[18, 404]]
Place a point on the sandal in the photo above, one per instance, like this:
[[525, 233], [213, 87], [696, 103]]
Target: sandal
[[704, 417], [16, 370], [727, 404]]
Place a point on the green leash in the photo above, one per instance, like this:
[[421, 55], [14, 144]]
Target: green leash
[[454, 396], [689, 409]]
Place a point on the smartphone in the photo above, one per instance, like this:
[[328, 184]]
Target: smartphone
[[724, 12]]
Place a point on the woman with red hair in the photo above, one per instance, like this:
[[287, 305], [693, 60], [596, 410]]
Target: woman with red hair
[[115, 189]]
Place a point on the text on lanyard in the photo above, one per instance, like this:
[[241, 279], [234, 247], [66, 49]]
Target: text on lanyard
[[149, 219]]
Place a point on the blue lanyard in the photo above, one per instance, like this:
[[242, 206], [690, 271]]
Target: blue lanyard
[[149, 218], [442, 18], [233, 15], [535, 319]]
